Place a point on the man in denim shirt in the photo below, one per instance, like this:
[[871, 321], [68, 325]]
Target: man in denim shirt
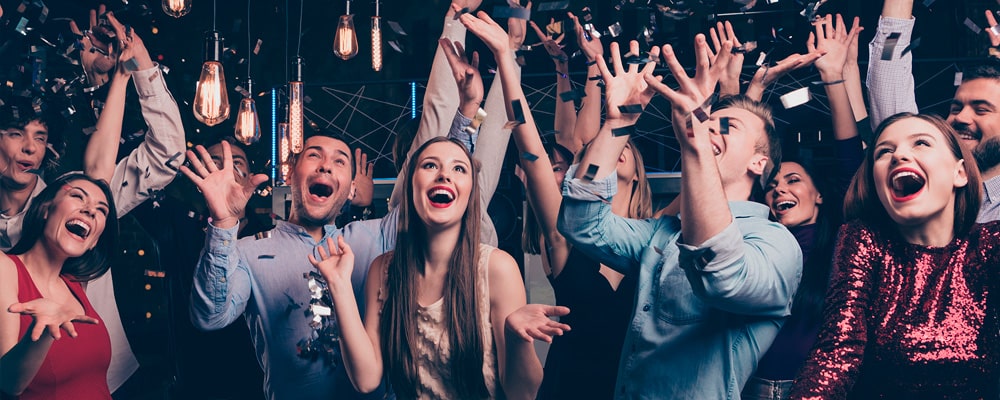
[[716, 282], [263, 277]]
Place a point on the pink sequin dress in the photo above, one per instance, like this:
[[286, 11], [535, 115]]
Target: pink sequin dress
[[907, 321]]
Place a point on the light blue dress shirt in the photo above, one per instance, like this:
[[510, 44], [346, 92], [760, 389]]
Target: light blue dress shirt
[[703, 315]]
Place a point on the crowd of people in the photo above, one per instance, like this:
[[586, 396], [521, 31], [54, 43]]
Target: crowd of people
[[765, 278]]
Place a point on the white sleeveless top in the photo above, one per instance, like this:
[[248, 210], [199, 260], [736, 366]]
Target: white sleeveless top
[[433, 349]]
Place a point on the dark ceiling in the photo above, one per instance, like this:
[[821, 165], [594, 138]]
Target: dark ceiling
[[178, 43]]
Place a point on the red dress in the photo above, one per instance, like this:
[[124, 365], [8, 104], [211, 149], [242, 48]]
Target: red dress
[[74, 368]]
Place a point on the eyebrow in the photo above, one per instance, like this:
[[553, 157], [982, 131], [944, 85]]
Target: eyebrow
[[322, 150], [86, 193], [790, 174], [977, 102], [911, 136], [435, 158]]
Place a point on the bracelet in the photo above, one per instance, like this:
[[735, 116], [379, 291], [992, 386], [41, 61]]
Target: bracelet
[[591, 62], [477, 120], [832, 83]]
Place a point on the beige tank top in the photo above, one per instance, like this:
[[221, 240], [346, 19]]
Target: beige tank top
[[433, 348]]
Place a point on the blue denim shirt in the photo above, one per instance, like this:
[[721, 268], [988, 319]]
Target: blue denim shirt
[[263, 278], [703, 315]]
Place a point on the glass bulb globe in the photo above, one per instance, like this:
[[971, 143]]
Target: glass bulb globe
[[211, 100], [247, 123], [345, 43], [176, 8]]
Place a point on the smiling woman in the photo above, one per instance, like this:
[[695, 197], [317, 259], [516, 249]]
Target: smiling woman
[[914, 274], [70, 231], [444, 313]]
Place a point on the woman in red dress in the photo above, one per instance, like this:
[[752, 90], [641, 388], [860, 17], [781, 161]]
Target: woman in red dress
[[70, 232]]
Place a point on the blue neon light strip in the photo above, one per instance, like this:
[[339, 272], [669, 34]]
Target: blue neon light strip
[[413, 100], [274, 134]]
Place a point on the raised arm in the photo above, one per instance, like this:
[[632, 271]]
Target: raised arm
[[890, 82], [102, 149], [222, 279], [542, 188], [704, 200], [565, 113], [359, 342], [834, 40], [585, 218], [440, 105], [852, 74], [152, 165], [588, 119]]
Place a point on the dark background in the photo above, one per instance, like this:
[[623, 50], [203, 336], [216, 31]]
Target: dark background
[[371, 107]]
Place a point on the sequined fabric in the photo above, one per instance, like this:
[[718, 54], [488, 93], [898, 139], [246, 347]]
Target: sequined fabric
[[907, 321]]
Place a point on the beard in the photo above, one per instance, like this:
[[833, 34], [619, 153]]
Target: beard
[[987, 153], [304, 218]]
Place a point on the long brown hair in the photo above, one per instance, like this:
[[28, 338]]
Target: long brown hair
[[461, 309], [862, 200], [640, 203]]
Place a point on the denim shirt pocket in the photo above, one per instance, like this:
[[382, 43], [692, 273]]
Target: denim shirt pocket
[[676, 302]]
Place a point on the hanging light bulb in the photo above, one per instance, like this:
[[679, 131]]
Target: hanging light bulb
[[176, 8], [345, 43], [295, 118], [247, 123], [285, 145], [211, 100], [247, 129], [376, 40]]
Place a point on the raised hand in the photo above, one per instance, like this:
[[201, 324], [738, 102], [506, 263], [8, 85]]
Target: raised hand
[[833, 41], [96, 57], [994, 36], [852, 48], [767, 75], [225, 195], [364, 184], [49, 316], [626, 87], [693, 91], [466, 73], [532, 322], [552, 46], [593, 48], [336, 263], [491, 33], [132, 51], [729, 81]]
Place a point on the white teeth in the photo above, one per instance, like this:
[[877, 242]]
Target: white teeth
[[904, 174], [716, 149], [784, 205], [85, 228], [442, 192]]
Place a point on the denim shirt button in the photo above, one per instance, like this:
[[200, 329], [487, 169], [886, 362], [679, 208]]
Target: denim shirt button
[[645, 307]]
